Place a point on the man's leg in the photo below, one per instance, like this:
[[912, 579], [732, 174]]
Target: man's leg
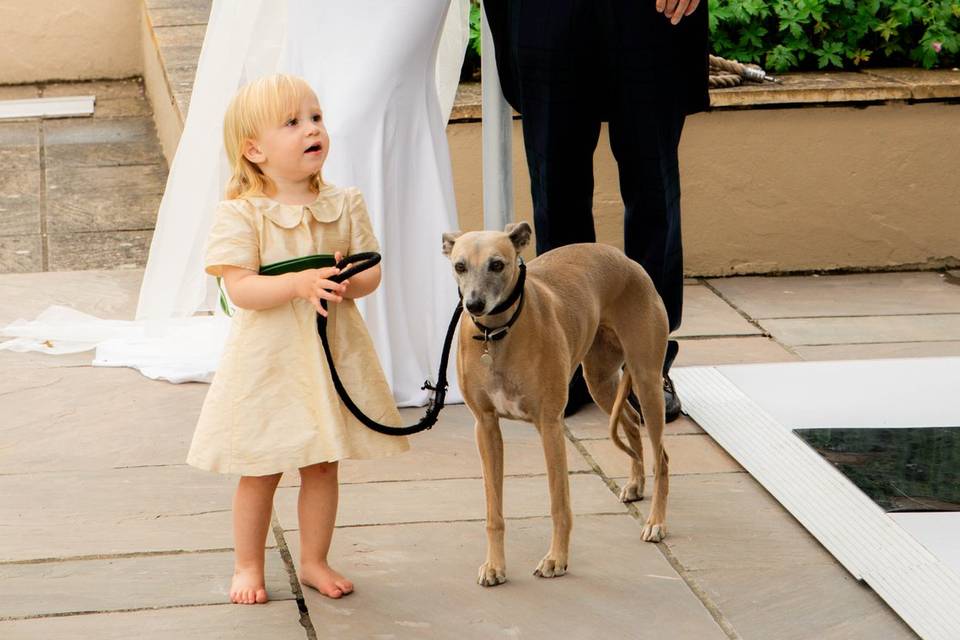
[[646, 121], [561, 126]]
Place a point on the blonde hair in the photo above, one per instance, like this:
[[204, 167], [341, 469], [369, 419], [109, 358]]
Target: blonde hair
[[265, 102]]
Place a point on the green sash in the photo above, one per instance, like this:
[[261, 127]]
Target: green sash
[[317, 261]]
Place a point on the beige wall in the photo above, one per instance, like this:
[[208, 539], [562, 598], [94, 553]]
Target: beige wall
[[781, 190], [68, 39]]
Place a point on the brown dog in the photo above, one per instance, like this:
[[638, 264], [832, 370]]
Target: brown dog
[[582, 303]]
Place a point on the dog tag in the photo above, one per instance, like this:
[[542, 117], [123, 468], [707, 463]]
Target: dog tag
[[486, 359]]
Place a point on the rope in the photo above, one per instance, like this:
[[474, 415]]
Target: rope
[[730, 73]]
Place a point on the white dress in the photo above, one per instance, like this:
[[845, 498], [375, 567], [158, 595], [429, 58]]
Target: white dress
[[375, 68], [372, 65]]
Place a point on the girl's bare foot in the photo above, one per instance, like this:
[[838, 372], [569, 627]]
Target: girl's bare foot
[[248, 587], [325, 580]]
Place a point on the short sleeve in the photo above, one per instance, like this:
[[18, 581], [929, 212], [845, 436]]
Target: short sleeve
[[362, 238], [232, 241]]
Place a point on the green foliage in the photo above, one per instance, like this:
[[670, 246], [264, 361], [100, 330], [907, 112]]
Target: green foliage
[[840, 34], [475, 39]]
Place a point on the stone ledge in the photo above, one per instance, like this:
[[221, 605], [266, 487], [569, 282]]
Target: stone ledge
[[807, 88]]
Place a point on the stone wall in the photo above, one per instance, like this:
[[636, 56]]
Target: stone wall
[[57, 40]]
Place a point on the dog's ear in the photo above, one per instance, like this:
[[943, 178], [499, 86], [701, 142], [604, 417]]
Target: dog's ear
[[519, 234], [448, 239]]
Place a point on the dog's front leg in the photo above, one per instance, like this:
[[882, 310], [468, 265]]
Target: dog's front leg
[[554, 564], [490, 445]]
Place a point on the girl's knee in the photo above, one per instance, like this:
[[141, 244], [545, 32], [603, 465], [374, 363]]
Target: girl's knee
[[320, 470], [261, 481]]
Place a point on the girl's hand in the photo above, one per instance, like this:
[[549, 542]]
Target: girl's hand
[[314, 285]]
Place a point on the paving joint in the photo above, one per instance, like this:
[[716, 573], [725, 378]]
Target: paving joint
[[463, 520], [119, 556], [42, 153], [712, 608], [750, 319], [287, 558], [70, 614], [575, 472]]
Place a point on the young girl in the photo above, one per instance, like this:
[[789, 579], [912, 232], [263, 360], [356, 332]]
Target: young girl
[[272, 406]]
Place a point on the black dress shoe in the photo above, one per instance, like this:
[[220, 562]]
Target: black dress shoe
[[671, 402], [577, 394]]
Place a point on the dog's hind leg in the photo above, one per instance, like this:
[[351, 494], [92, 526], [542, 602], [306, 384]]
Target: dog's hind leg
[[490, 445], [649, 390], [601, 370]]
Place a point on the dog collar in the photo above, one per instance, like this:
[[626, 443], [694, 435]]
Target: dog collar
[[499, 333]]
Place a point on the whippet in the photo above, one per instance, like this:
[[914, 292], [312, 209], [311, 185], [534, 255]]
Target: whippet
[[525, 331]]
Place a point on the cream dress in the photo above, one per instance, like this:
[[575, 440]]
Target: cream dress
[[272, 406]]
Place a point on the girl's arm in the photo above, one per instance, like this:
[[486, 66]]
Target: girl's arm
[[248, 290], [363, 283]]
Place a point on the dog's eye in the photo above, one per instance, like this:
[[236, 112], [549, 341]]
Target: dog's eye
[[460, 267], [496, 266]]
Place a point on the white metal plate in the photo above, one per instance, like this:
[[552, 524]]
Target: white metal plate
[[906, 392], [59, 107]]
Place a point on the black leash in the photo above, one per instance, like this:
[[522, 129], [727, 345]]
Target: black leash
[[361, 262]]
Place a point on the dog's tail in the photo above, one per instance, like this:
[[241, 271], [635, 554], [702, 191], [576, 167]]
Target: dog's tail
[[615, 415]]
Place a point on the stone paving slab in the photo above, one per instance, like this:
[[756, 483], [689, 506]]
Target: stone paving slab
[[102, 143], [819, 331], [449, 500], [114, 98], [105, 294], [769, 577], [99, 250], [689, 455], [419, 581], [449, 450], [100, 419], [886, 350], [124, 584], [19, 92], [80, 193], [19, 180], [590, 423], [728, 521], [20, 213], [744, 350], [274, 621], [103, 198], [801, 603], [166, 13], [862, 294], [925, 84], [706, 314], [21, 254], [114, 511]]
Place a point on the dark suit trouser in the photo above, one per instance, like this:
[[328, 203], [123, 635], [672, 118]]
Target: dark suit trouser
[[584, 62]]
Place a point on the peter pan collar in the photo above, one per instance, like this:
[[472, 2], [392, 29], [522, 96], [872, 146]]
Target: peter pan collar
[[327, 207]]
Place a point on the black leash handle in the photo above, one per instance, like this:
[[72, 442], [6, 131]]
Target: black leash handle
[[361, 262]]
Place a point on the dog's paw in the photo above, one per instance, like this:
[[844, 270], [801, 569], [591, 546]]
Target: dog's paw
[[631, 493], [550, 568], [491, 576], [654, 532]]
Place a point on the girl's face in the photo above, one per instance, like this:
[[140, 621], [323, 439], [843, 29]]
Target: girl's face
[[295, 150]]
